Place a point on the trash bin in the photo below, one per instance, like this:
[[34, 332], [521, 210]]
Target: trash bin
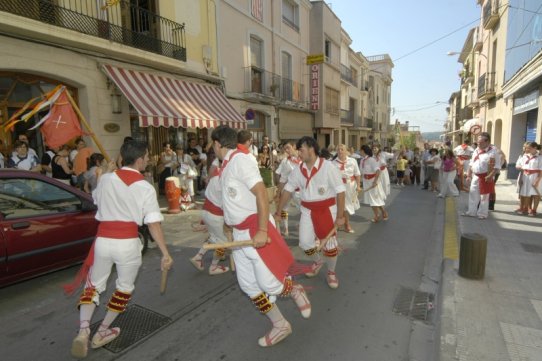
[[511, 171], [472, 255]]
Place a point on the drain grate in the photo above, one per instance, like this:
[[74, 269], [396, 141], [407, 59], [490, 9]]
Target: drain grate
[[412, 303], [135, 324], [531, 248]]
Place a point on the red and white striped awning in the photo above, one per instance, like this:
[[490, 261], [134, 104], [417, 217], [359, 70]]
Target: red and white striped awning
[[167, 102]]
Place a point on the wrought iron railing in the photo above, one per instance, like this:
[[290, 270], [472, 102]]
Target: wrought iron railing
[[491, 12], [263, 82], [292, 91], [486, 85], [348, 75], [347, 116], [121, 22]]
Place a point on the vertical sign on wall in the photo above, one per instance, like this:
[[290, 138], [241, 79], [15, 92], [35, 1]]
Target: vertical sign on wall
[[257, 9], [315, 86]]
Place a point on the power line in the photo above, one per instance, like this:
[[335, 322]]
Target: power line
[[436, 40]]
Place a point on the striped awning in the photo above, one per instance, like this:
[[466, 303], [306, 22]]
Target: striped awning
[[168, 102]]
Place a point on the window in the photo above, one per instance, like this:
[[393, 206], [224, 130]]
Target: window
[[257, 127], [22, 198], [290, 13], [256, 64], [327, 50], [332, 101], [287, 85]]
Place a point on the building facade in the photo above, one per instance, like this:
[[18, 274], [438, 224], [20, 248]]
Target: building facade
[[120, 60]]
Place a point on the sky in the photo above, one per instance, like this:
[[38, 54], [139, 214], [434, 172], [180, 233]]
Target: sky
[[424, 80]]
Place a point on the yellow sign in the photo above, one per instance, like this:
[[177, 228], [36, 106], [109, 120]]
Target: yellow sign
[[315, 59]]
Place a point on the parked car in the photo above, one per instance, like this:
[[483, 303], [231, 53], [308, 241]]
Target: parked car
[[45, 225]]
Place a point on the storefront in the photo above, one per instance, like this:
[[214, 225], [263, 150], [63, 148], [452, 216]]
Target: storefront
[[294, 125]]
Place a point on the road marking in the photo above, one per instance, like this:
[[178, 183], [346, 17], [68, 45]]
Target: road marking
[[450, 249]]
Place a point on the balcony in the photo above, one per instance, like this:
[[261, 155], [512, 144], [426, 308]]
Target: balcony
[[122, 23], [347, 117], [367, 123], [486, 86], [348, 76], [478, 41], [292, 93], [491, 14], [261, 82]]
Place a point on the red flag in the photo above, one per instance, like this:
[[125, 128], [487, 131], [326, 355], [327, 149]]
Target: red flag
[[62, 124]]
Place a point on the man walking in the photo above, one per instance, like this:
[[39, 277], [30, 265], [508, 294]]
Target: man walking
[[125, 200]]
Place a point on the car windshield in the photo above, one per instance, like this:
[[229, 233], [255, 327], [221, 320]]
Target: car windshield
[[20, 198]]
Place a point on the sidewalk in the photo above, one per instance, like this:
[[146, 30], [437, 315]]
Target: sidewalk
[[499, 317]]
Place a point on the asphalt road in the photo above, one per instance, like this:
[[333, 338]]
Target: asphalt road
[[212, 320]]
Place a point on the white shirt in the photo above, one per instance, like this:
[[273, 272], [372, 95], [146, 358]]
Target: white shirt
[[325, 183], [213, 192], [369, 165], [463, 150], [239, 176], [383, 158], [285, 168], [27, 163], [530, 162], [348, 169], [118, 202], [480, 160]]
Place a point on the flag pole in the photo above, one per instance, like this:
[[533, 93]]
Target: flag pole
[[85, 123]]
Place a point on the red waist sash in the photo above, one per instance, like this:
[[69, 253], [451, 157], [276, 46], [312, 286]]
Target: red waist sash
[[212, 208], [349, 179], [369, 176], [108, 229], [464, 157], [382, 167], [322, 220], [276, 255], [531, 171], [486, 187]]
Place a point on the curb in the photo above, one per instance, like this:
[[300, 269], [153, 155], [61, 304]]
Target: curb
[[446, 329]]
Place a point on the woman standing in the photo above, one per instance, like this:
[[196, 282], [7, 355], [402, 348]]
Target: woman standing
[[186, 170], [382, 157], [60, 167], [348, 167], [532, 174], [449, 171], [433, 167], [264, 158], [373, 194], [96, 167], [21, 159], [168, 161]]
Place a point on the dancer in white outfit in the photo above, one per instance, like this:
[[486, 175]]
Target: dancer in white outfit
[[373, 193], [262, 269], [382, 158], [349, 170], [531, 167], [284, 169]]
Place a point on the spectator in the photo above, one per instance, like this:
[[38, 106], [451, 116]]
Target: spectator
[[264, 158], [97, 165], [185, 170], [433, 168], [80, 161], [401, 163], [450, 166], [23, 137], [186, 200], [60, 167], [168, 161], [22, 159], [46, 161]]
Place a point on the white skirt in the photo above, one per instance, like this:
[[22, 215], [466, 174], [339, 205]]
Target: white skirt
[[351, 201], [375, 197], [527, 188]]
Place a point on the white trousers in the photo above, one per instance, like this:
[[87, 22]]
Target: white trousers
[[125, 254], [447, 187], [252, 274], [478, 204], [215, 226]]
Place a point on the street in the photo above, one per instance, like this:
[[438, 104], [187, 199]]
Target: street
[[209, 318]]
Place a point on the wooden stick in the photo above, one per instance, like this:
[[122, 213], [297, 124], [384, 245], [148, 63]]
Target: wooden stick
[[329, 235], [228, 244], [232, 263], [85, 123], [163, 282]]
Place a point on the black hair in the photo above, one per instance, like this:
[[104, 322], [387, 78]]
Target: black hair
[[367, 150], [243, 136], [132, 151], [127, 139], [93, 159], [485, 135], [310, 142], [226, 136], [324, 153]]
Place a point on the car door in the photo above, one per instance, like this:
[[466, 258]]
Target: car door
[[44, 225]]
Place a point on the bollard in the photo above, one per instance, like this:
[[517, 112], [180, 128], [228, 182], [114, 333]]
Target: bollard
[[472, 256]]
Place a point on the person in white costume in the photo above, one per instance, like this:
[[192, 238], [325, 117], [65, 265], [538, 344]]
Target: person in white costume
[[125, 201], [463, 152], [373, 193], [382, 158], [349, 170], [483, 165], [322, 207], [213, 217], [531, 167], [262, 269], [284, 169]]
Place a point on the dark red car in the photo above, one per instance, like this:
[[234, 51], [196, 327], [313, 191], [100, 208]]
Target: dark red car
[[45, 225]]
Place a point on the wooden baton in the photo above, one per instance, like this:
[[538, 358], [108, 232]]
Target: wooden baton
[[329, 235], [228, 244], [163, 282]]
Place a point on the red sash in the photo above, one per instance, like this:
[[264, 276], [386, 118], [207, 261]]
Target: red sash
[[321, 217], [531, 171], [369, 176], [486, 187], [212, 208], [382, 167], [463, 157], [276, 255]]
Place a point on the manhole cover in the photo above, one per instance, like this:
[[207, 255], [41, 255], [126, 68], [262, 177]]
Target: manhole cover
[[135, 324], [412, 303], [531, 248]]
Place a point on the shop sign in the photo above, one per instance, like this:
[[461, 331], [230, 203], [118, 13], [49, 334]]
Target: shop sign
[[526, 103], [315, 86], [315, 59]]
